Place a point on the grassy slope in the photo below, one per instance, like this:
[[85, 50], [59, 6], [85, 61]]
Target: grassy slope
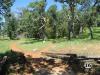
[[80, 46], [30, 44], [4, 45]]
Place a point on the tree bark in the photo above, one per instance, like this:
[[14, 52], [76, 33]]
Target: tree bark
[[69, 29], [91, 32], [69, 35], [72, 6]]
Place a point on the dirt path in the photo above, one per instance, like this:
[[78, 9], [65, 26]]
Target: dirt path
[[33, 54], [37, 54], [86, 49]]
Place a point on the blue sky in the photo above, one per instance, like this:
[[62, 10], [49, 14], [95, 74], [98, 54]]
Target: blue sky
[[23, 3]]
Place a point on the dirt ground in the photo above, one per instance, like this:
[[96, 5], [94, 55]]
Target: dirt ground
[[54, 68], [33, 54], [87, 50]]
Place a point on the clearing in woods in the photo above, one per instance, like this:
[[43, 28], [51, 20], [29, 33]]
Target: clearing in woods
[[80, 47]]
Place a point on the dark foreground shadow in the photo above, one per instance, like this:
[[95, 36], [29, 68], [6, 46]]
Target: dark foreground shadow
[[12, 63]]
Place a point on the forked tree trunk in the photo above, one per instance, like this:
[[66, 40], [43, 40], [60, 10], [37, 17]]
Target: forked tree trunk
[[42, 28], [72, 29]]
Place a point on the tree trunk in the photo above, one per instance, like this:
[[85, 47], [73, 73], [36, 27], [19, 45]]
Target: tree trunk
[[72, 5], [91, 32], [54, 30], [69, 29], [69, 35], [42, 28]]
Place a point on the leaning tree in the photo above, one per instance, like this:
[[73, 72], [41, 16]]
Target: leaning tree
[[39, 7]]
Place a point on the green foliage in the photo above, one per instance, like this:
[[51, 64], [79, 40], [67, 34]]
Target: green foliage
[[12, 28], [38, 5], [69, 22], [5, 6], [5, 10]]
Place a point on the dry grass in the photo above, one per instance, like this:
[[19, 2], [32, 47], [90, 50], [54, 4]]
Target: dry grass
[[79, 46], [88, 48]]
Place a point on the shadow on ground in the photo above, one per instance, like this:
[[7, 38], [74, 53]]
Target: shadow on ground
[[12, 63]]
